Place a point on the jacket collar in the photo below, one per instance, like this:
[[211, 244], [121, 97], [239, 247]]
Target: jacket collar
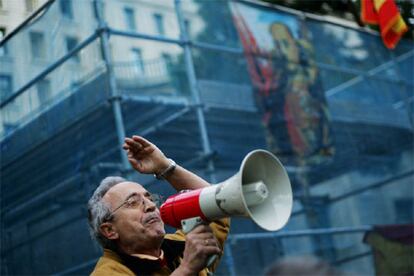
[[172, 251]]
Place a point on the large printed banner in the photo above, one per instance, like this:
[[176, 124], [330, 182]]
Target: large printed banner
[[286, 80]]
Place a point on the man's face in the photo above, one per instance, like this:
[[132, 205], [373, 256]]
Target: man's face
[[139, 224], [285, 42]]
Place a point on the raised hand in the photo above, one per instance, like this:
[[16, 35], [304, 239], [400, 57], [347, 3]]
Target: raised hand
[[144, 156]]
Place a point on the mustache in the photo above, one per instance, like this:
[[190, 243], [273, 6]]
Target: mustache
[[151, 216]]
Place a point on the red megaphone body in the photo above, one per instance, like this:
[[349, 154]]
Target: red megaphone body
[[181, 206]]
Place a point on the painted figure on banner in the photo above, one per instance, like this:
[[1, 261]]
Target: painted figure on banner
[[287, 86], [304, 106]]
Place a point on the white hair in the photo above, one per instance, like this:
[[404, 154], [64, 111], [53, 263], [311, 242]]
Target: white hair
[[99, 210]]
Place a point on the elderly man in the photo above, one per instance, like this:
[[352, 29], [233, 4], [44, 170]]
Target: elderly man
[[125, 220]]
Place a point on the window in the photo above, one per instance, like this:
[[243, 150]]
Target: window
[[6, 86], [138, 61], [187, 26], [43, 91], [37, 44], [3, 49], [130, 19], [71, 43], [66, 8], [159, 23], [31, 5]]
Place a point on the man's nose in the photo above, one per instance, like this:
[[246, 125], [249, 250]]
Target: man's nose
[[149, 205]]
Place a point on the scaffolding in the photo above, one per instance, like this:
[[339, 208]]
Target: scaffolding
[[58, 191]]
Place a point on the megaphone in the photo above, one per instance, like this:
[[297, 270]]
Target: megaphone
[[261, 190]]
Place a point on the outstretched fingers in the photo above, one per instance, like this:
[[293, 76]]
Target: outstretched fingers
[[132, 145], [141, 140]]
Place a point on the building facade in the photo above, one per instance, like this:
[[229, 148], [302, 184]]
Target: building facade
[[207, 81]]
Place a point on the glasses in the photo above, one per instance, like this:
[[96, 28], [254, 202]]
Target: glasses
[[136, 201]]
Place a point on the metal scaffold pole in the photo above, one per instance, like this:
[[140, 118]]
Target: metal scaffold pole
[[189, 65], [115, 98]]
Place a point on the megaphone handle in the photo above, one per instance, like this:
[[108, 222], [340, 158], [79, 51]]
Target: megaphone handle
[[190, 224]]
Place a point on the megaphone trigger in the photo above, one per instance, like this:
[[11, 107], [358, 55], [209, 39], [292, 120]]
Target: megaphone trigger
[[188, 225]]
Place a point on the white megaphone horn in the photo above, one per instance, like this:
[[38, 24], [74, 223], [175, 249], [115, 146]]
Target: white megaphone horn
[[261, 190]]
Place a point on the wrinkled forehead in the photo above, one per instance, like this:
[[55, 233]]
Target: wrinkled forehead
[[121, 191]]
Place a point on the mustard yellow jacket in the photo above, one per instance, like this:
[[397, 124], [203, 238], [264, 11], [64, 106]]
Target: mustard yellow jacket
[[113, 263]]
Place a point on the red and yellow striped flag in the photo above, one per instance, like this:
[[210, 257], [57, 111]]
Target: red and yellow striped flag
[[385, 14]]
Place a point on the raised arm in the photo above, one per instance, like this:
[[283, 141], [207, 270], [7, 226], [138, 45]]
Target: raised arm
[[147, 158]]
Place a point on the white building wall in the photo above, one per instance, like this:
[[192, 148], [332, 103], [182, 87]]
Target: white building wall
[[56, 28]]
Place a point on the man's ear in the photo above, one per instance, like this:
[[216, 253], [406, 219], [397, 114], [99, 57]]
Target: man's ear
[[108, 230]]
